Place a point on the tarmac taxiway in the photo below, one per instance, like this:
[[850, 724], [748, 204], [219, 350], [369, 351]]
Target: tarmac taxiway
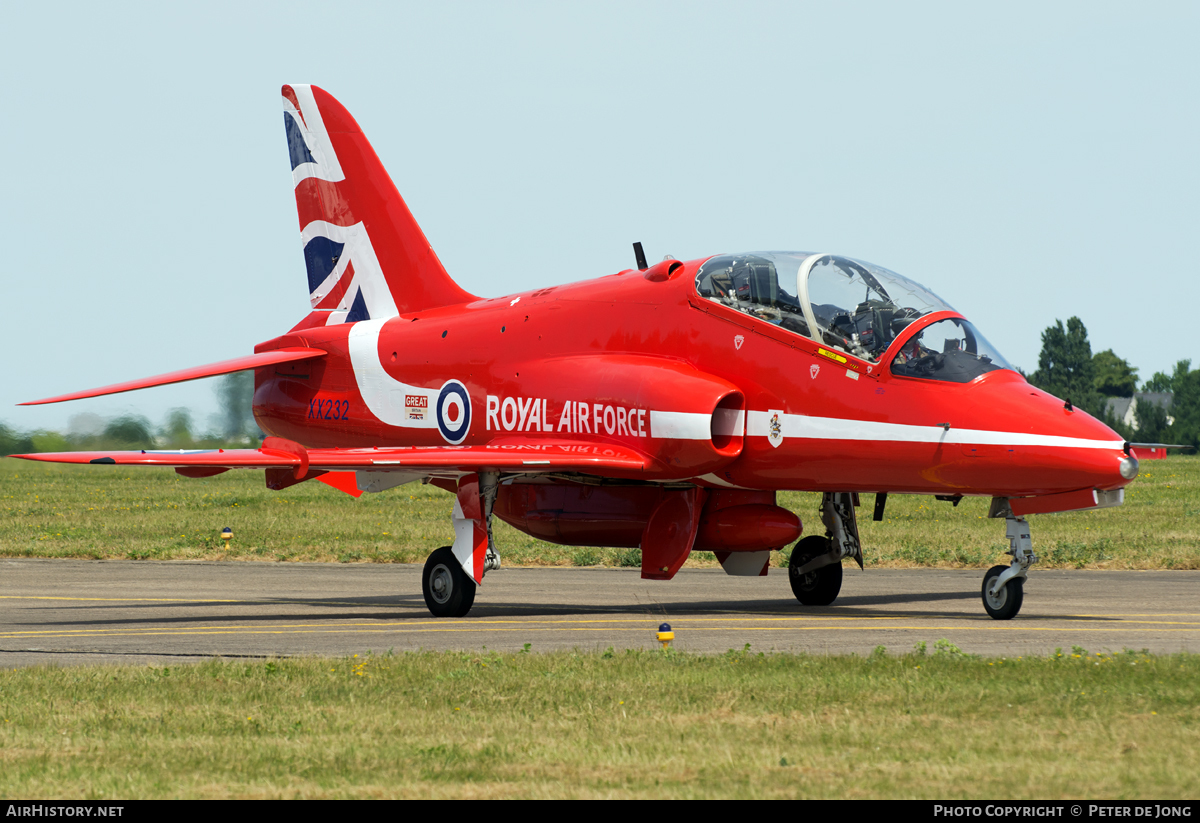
[[73, 611]]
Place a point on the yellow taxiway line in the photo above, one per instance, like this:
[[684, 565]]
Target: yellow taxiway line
[[515, 626]]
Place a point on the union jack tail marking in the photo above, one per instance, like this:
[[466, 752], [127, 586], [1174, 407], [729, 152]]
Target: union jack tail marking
[[341, 189]]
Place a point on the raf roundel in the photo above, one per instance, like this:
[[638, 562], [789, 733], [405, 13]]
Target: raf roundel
[[454, 412]]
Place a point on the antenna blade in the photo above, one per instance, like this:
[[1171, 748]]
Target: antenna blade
[[641, 257]]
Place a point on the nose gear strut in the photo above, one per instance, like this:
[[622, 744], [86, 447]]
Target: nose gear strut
[[1004, 586]]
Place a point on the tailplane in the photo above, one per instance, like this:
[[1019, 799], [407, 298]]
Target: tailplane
[[366, 256]]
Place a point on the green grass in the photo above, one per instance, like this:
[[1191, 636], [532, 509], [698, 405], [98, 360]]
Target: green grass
[[934, 723], [103, 512], [625, 724]]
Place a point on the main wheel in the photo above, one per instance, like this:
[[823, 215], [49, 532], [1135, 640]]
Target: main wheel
[[448, 591], [1005, 604], [819, 587]]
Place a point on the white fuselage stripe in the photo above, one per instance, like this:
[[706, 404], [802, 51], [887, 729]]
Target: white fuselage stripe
[[385, 398], [667, 425], [384, 394], [831, 428]]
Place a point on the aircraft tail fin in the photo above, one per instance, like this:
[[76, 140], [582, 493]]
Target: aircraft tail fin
[[366, 256]]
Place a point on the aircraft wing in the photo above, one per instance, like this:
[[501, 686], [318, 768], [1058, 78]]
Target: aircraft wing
[[250, 361], [531, 456]]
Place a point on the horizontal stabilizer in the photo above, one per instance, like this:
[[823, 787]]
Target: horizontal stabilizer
[[540, 456], [250, 361]]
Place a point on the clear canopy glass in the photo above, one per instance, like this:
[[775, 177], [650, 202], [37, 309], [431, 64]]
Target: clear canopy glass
[[950, 350], [757, 284], [845, 304]]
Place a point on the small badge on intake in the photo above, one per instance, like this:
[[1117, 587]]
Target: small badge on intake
[[775, 427]]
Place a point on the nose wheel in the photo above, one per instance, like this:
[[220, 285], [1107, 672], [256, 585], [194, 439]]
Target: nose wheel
[[1004, 586], [448, 591], [1005, 601]]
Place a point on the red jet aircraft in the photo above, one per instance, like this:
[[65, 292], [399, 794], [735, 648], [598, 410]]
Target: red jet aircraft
[[660, 407]]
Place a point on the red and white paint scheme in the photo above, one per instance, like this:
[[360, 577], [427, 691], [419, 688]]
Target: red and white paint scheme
[[660, 407]]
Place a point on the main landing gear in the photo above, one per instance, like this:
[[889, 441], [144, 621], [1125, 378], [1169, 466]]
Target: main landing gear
[[452, 573], [449, 591], [820, 586], [1004, 586], [815, 568]]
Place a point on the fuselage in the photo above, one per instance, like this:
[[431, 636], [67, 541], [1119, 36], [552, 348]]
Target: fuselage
[[537, 365]]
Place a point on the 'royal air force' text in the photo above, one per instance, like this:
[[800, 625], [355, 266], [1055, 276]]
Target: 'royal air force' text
[[525, 414]]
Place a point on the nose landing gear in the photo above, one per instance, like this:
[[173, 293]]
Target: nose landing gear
[[1004, 586], [1002, 602]]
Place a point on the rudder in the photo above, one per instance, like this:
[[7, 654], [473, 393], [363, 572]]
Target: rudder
[[365, 254]]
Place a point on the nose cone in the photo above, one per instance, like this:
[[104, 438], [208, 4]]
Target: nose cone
[[1053, 447]]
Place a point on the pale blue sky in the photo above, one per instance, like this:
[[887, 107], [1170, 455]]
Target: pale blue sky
[[1025, 161]]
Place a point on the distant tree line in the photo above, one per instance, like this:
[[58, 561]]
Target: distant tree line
[[1068, 369], [233, 426]]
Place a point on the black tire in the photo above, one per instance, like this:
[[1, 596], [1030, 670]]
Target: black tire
[[448, 591], [820, 587], [1006, 604]]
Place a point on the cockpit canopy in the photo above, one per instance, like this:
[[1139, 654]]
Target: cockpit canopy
[[851, 306]]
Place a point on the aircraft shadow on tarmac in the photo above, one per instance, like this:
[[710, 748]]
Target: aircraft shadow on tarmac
[[201, 612], [846, 607], [774, 607], [412, 608]]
